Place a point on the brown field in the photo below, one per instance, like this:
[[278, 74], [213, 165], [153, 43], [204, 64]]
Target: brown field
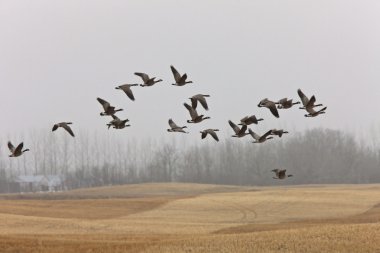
[[193, 218]]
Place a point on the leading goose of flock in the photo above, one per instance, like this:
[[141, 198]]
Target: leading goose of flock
[[210, 132], [179, 80], [201, 99], [127, 90], [195, 118], [258, 138], [270, 105], [239, 132], [280, 174], [248, 120], [64, 125], [15, 152], [175, 128], [147, 80], [108, 109]]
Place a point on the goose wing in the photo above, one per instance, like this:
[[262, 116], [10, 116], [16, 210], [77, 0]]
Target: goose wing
[[68, 129], [311, 102], [243, 129], [192, 111], [194, 102], [253, 134], [202, 100], [127, 90], [266, 134], [204, 134], [283, 101], [18, 150], [213, 134], [303, 97], [11, 147], [183, 78], [172, 124], [273, 109], [244, 120], [104, 103], [234, 127], [143, 76], [177, 76]]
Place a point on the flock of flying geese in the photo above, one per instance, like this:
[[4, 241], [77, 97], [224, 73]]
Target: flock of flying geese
[[181, 80]]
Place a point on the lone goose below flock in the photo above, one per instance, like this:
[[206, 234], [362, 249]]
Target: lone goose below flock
[[280, 174]]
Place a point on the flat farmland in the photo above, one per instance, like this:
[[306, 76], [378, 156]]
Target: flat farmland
[[174, 217]]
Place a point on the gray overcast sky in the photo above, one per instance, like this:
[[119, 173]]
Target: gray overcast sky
[[56, 57]]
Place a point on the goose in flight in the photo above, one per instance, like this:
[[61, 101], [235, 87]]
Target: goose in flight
[[286, 103], [175, 128], [64, 125], [147, 81], [108, 109], [201, 99], [195, 118], [15, 152], [117, 123], [180, 80], [210, 132], [239, 132], [270, 105], [280, 174], [306, 102], [127, 90], [248, 120]]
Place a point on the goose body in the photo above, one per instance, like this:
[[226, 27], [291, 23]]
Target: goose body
[[280, 174], [211, 132], [258, 138], [175, 128], [270, 105], [108, 109], [239, 132], [15, 152], [147, 81], [64, 125], [127, 90], [180, 80], [195, 118]]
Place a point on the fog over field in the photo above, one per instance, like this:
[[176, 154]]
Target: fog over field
[[57, 57]]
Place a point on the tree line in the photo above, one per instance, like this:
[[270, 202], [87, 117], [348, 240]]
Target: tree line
[[317, 156]]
